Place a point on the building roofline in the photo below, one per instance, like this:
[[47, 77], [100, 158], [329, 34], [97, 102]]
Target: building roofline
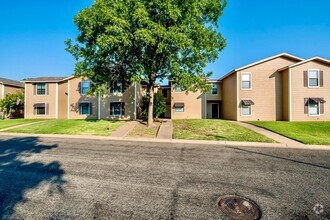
[[262, 61], [10, 82], [306, 61]]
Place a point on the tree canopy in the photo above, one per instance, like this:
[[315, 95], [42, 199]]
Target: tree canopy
[[133, 40]]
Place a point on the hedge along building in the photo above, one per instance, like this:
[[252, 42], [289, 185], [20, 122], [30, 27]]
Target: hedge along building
[[68, 98]]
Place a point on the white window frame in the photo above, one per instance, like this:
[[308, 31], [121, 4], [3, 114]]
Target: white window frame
[[45, 89], [216, 85], [250, 75], [318, 109], [45, 109], [113, 110], [89, 108], [318, 78], [81, 87], [242, 110]]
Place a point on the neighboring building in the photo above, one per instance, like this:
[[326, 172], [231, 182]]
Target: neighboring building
[[279, 88], [8, 86], [67, 98]]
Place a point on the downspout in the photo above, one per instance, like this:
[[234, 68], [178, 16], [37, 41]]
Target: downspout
[[56, 102], [205, 107], [290, 96], [135, 104], [99, 106], [25, 100]]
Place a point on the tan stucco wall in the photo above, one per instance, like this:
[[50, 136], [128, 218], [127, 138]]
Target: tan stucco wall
[[299, 92], [63, 100], [229, 97], [127, 97], [192, 102], [285, 95], [266, 91], [75, 98], [7, 89], [31, 99]]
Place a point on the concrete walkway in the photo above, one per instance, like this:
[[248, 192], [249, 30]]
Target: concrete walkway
[[166, 129], [125, 129], [21, 125], [279, 138]]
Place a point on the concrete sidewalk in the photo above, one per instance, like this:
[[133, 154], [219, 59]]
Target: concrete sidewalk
[[125, 129], [276, 137], [165, 130]]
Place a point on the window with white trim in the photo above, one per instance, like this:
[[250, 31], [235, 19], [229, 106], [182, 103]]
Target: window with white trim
[[313, 78], [178, 89], [179, 107], [246, 110], [214, 89], [246, 80], [41, 88], [117, 108], [313, 108], [85, 86]]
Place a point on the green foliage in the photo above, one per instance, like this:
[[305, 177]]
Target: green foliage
[[133, 40], [159, 106], [11, 103]]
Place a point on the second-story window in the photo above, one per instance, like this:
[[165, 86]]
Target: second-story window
[[214, 89], [117, 88], [313, 78], [85, 86], [41, 88], [178, 89], [246, 80]]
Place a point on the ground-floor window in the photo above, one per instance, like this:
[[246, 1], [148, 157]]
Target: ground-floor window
[[85, 108], [40, 109], [314, 108], [179, 107], [117, 108], [246, 110]]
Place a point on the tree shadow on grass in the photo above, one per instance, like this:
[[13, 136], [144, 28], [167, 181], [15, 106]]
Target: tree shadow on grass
[[18, 176]]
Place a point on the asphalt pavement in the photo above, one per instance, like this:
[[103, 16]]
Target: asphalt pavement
[[52, 178]]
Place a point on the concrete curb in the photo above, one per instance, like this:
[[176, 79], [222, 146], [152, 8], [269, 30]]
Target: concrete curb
[[155, 140]]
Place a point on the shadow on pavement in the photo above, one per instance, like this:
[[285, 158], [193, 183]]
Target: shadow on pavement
[[17, 176]]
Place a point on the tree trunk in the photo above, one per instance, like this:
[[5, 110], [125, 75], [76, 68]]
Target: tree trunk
[[151, 108]]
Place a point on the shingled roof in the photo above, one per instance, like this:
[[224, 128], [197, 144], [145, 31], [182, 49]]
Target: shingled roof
[[45, 79], [10, 82]]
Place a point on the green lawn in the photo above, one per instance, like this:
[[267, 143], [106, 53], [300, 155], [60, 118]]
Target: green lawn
[[14, 122], [221, 130], [141, 130], [305, 132], [82, 127]]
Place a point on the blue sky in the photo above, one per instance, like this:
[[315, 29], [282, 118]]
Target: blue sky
[[32, 34]]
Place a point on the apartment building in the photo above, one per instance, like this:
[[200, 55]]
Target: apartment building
[[8, 86], [68, 98], [181, 104]]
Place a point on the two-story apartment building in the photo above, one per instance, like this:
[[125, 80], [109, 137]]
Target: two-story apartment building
[[68, 98], [8, 86]]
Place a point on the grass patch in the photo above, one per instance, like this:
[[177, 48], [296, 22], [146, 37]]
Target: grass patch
[[305, 132], [220, 130], [14, 122], [141, 130], [62, 126]]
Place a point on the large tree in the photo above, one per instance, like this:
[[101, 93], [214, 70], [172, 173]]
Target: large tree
[[132, 40]]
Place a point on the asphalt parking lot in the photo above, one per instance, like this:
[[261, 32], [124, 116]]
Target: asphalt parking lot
[[49, 178]]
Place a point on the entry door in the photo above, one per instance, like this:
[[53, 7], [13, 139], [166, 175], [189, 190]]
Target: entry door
[[215, 110]]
